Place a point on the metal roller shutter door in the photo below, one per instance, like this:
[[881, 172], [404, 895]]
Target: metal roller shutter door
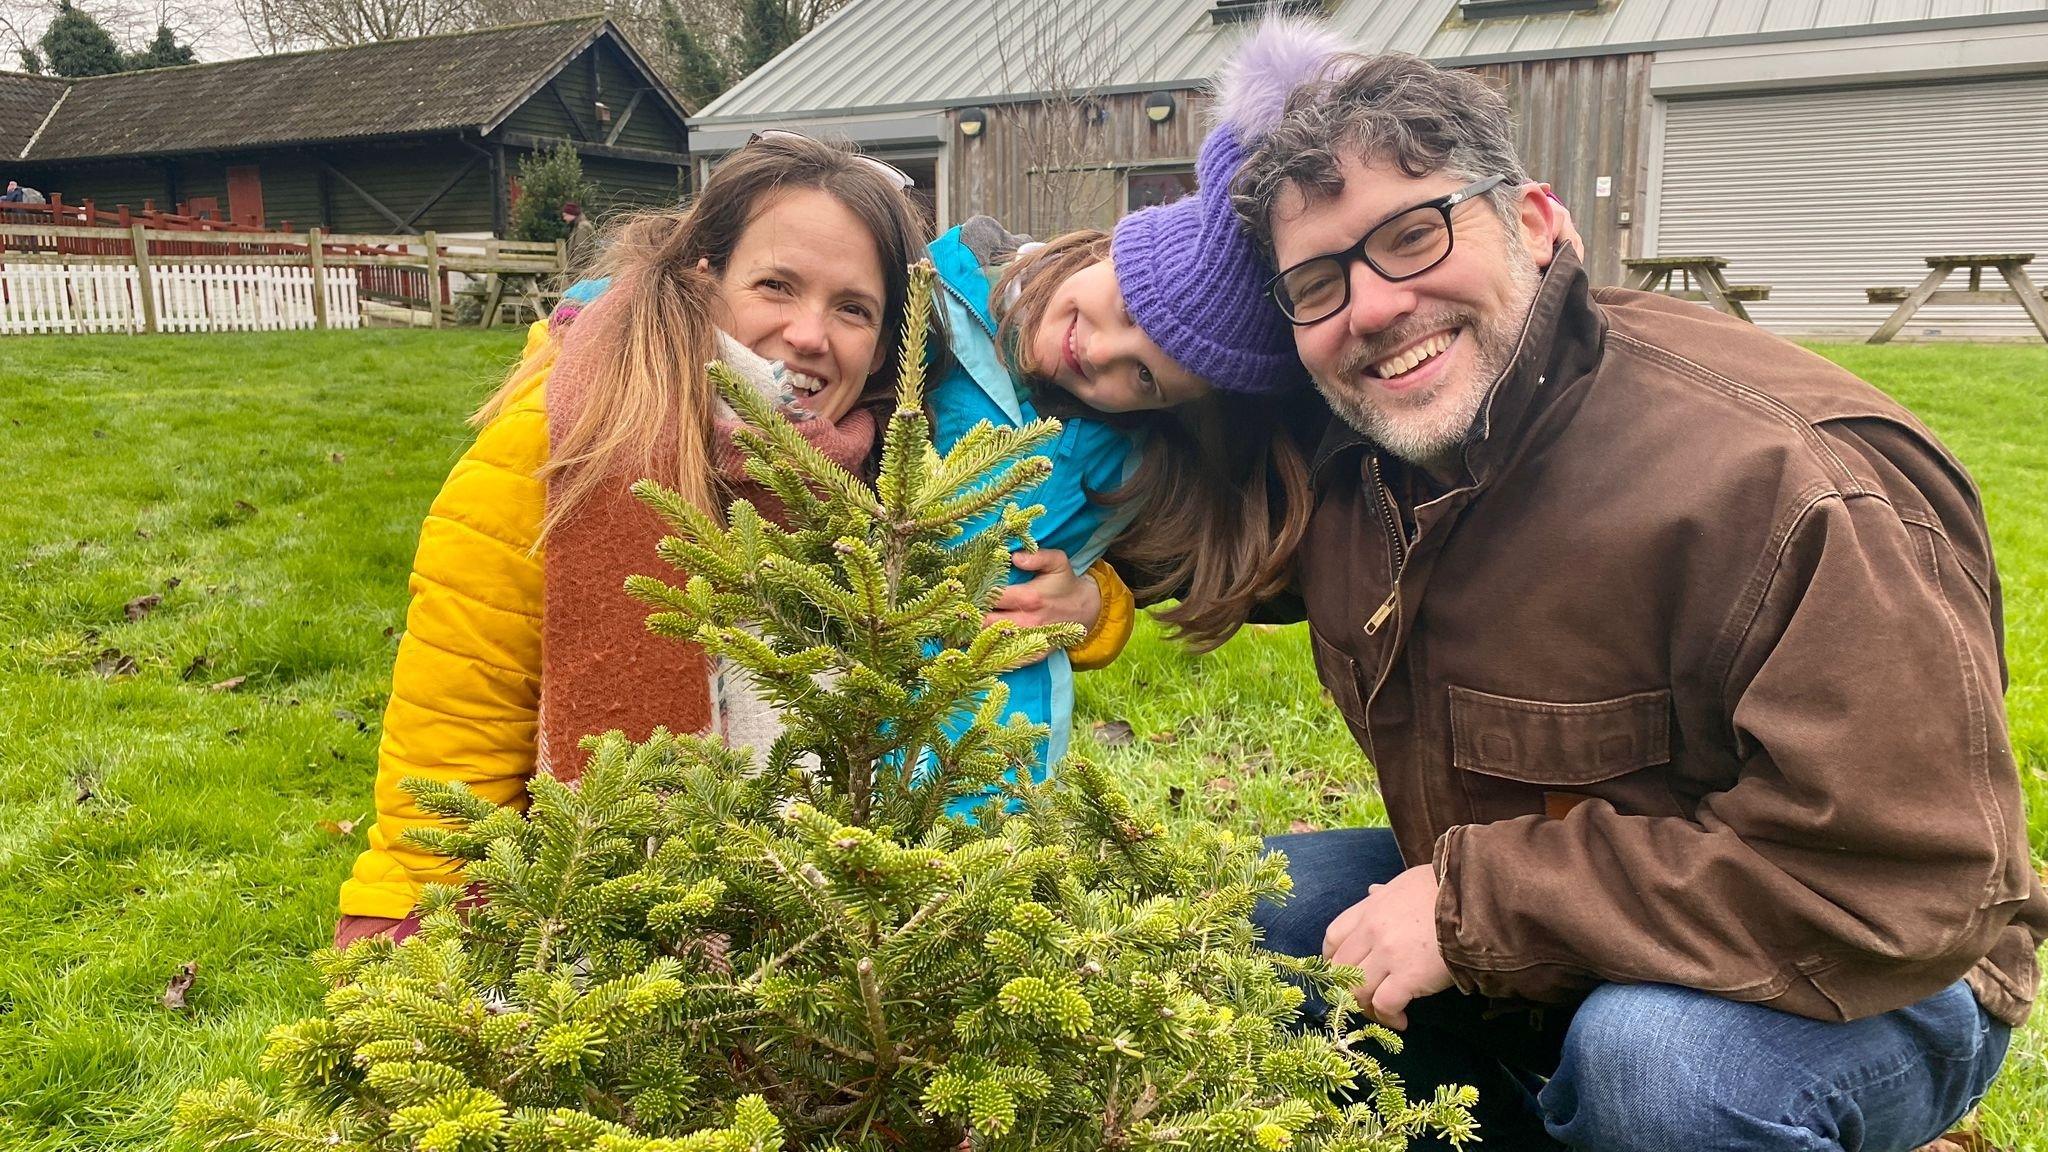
[[1824, 194]]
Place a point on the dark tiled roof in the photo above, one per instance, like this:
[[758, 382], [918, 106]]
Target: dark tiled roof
[[396, 88], [24, 102]]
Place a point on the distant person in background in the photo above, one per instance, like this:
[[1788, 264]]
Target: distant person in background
[[582, 239], [18, 194]]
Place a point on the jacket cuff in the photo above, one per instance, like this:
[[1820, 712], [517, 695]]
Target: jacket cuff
[[1449, 912], [388, 900], [1113, 623]]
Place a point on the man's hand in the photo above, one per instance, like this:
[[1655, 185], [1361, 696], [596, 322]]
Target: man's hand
[[1057, 595], [1390, 936]]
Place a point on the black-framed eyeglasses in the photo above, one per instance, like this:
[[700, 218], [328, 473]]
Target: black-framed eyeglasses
[[894, 174], [1401, 248]]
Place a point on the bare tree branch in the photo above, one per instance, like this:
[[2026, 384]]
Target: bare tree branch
[[1062, 52]]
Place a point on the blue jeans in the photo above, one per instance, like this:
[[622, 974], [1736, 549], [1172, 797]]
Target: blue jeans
[[1650, 1067]]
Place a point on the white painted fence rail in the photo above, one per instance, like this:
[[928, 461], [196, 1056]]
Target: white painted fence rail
[[190, 298], [224, 298], [64, 298], [68, 279]]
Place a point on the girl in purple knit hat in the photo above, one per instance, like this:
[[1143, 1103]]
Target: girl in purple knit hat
[[1158, 348], [1169, 367]]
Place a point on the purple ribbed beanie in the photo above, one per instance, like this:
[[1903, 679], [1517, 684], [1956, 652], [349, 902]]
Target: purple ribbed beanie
[[1196, 285], [1190, 276]]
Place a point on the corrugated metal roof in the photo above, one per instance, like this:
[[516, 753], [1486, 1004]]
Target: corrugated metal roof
[[876, 54], [1664, 23]]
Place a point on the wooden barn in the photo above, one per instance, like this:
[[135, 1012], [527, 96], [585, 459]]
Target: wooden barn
[[403, 136], [1820, 147]]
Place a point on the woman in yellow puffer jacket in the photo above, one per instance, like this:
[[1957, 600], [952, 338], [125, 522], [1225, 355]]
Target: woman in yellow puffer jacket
[[519, 638]]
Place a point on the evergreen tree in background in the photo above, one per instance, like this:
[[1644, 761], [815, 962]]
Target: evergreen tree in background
[[712, 49], [548, 180], [698, 75], [695, 951], [766, 28], [75, 45], [163, 52]]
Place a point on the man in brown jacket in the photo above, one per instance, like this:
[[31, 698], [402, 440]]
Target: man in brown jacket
[[1677, 651]]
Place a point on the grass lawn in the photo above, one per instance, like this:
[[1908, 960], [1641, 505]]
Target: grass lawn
[[187, 778]]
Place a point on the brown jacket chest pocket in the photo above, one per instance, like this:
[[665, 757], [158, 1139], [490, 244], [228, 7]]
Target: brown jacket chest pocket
[[1521, 757]]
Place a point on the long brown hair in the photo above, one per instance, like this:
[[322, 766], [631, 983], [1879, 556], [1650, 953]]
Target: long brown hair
[[655, 385], [1221, 486]]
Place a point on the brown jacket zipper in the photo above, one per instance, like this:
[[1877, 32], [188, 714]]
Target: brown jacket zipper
[[1399, 557]]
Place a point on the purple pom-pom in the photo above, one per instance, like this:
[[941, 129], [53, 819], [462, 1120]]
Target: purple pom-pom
[[1281, 54]]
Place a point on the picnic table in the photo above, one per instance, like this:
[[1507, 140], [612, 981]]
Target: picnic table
[[2019, 290], [1703, 271], [513, 289]]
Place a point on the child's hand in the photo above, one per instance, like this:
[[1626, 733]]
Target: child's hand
[[1056, 595]]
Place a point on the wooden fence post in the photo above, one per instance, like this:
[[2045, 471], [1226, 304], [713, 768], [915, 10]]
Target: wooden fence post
[[433, 278], [316, 258], [144, 290]]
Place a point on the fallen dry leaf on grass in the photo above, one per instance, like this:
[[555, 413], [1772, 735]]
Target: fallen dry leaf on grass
[[1113, 733], [1302, 826], [114, 664], [199, 664], [228, 685], [337, 827], [1222, 784], [181, 986], [1175, 795], [141, 606]]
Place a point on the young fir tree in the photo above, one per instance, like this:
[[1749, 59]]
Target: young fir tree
[[547, 180], [692, 950]]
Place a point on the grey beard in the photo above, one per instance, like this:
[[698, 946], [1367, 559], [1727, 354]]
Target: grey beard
[[1427, 436]]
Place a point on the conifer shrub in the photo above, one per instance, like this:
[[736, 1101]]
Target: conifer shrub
[[695, 949], [549, 179]]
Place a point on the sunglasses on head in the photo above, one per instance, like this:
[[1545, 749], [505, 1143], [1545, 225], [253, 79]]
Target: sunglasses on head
[[892, 173]]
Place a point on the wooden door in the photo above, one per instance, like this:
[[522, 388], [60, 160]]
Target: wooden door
[[245, 196]]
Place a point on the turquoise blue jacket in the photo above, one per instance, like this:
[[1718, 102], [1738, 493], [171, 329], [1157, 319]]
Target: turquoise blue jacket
[[1089, 455]]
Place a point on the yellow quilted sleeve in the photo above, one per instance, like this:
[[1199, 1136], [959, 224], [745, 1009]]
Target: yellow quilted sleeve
[[465, 692], [1112, 628]]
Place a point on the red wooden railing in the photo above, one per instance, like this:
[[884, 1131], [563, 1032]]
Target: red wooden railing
[[396, 284]]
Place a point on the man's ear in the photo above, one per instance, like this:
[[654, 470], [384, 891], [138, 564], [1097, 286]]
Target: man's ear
[[1543, 221]]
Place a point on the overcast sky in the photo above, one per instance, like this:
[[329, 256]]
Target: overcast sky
[[214, 28]]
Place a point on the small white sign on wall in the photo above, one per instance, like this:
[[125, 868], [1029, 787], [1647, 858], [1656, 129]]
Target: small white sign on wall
[[1603, 187]]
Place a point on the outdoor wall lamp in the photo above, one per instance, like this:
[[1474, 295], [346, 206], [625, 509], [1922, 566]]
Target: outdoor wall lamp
[[971, 122], [1159, 107]]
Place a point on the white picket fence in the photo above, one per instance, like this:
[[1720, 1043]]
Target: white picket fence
[[224, 298], [74, 278], [189, 298]]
